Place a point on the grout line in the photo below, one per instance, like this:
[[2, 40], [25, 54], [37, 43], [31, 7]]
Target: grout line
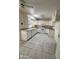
[[32, 36]]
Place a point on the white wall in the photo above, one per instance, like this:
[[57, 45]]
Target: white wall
[[56, 24], [23, 17], [57, 30]]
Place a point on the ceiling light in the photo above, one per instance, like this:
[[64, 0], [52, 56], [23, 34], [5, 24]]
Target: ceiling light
[[35, 15]]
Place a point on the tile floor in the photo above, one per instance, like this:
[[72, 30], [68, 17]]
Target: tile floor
[[39, 47]]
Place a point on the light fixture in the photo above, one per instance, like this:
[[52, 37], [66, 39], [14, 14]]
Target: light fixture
[[36, 16]]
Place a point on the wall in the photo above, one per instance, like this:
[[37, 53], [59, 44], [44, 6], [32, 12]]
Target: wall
[[23, 23], [57, 33], [23, 18], [53, 17], [44, 22], [31, 21]]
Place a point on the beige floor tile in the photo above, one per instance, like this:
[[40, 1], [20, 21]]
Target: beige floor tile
[[39, 47]]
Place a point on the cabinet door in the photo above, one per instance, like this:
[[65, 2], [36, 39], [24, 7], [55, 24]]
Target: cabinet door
[[24, 35]]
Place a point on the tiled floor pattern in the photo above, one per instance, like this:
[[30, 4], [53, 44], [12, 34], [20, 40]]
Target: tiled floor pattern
[[39, 47]]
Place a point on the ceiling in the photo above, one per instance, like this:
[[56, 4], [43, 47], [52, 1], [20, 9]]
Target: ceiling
[[43, 7]]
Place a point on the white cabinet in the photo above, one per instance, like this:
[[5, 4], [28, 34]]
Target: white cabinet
[[24, 35]]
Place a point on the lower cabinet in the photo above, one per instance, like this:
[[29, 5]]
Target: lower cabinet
[[24, 35], [27, 34]]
